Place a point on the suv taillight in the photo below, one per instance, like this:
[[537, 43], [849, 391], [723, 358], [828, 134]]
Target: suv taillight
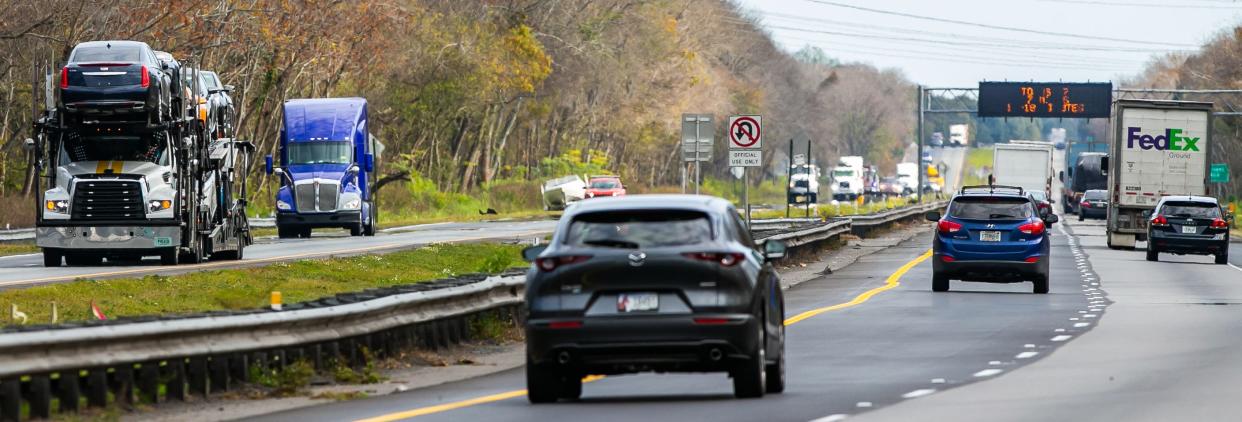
[[1085, 204], [946, 226], [64, 77], [1159, 221], [1220, 224], [146, 77], [1034, 228], [725, 259], [553, 262]]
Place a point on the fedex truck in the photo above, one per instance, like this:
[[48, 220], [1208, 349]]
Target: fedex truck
[[1160, 148]]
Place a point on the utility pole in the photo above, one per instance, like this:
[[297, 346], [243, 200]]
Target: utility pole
[[789, 177], [918, 137]]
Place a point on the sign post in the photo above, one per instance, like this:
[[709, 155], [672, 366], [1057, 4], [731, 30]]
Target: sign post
[[745, 150], [696, 143]]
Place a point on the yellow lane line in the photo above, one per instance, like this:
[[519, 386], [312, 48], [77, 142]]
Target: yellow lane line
[[457, 405], [892, 281], [246, 262]]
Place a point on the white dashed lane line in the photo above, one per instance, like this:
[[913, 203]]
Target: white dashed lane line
[[987, 372], [1026, 355], [918, 393]]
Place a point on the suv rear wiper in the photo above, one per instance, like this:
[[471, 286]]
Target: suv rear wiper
[[996, 216], [625, 244]]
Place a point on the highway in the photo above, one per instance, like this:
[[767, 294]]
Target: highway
[[28, 270], [1118, 338]]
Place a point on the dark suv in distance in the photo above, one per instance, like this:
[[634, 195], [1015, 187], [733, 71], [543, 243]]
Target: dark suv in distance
[[1188, 225], [116, 78], [653, 283], [992, 234]]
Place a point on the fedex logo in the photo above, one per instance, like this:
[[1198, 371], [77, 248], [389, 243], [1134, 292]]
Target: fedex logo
[[1171, 140]]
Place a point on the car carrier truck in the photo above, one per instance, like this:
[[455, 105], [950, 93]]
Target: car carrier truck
[[125, 171], [327, 168], [1159, 148]]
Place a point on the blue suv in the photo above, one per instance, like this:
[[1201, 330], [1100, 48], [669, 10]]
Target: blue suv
[[992, 234]]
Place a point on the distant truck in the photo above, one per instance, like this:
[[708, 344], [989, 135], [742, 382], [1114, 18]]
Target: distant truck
[[1024, 164], [327, 168], [1085, 173], [908, 175], [847, 178], [1159, 148], [560, 192], [959, 135], [803, 184]]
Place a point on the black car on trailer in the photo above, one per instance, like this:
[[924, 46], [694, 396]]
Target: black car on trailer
[[653, 283]]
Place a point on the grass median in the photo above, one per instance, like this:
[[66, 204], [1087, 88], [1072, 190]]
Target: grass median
[[17, 248], [250, 288]]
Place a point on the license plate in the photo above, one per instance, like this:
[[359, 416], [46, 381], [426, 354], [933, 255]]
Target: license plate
[[163, 241], [638, 302], [799, 198], [1189, 229], [990, 236]]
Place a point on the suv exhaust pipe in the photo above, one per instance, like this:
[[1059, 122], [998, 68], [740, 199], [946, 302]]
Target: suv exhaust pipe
[[715, 354]]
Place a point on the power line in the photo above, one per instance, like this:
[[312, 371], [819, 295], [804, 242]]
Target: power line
[[1001, 50], [1155, 5], [909, 54], [954, 57], [978, 44], [984, 25]]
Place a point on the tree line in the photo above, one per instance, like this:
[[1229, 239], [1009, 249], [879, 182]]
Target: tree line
[[468, 93]]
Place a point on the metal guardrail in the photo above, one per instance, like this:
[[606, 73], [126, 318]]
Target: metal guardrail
[[847, 224], [28, 234], [159, 358]]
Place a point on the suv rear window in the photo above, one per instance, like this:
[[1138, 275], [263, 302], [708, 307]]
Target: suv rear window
[[1190, 210], [639, 229], [116, 53], [991, 208]]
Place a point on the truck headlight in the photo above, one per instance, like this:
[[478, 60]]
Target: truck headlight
[[157, 205], [283, 206], [59, 206], [353, 204]]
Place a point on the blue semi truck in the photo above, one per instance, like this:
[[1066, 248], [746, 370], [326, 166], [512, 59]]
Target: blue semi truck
[[327, 168]]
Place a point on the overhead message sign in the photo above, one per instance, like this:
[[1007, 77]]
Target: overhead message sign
[[1045, 99]]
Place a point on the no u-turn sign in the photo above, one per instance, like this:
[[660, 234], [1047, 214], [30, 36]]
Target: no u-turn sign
[[744, 132]]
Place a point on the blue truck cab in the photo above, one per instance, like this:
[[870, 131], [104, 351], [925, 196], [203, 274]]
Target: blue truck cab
[[327, 167]]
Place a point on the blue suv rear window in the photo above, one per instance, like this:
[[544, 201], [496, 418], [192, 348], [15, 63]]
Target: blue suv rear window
[[991, 208]]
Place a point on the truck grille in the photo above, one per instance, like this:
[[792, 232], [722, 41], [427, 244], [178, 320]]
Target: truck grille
[[316, 196], [107, 200]]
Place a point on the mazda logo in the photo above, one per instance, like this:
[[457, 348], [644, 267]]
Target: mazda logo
[[637, 258]]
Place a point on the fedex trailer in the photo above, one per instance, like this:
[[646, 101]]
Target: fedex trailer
[[1160, 148]]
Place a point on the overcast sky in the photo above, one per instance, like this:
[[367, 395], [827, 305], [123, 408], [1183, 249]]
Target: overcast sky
[[1104, 39]]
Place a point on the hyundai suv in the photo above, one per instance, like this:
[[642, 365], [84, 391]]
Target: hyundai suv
[[991, 234], [1188, 225], [653, 283]]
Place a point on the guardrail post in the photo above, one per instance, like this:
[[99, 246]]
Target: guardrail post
[[218, 373], [196, 373], [175, 389], [39, 396], [69, 390], [332, 350], [10, 400], [239, 367], [97, 387], [314, 353], [276, 360], [149, 382], [123, 385]]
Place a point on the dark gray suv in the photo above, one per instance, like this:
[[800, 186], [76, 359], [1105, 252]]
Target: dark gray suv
[[653, 283]]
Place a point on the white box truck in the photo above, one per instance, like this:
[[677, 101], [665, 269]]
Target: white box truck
[[1027, 165], [1159, 148], [847, 178], [959, 135]]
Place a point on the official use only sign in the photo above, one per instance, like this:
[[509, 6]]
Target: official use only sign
[[745, 141]]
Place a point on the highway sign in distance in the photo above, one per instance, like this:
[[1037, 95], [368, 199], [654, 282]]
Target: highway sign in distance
[[697, 133], [1218, 173], [744, 132]]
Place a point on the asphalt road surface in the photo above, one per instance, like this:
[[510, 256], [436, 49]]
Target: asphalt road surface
[[872, 340], [28, 270]]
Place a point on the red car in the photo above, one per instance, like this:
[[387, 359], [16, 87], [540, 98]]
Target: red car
[[604, 186]]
